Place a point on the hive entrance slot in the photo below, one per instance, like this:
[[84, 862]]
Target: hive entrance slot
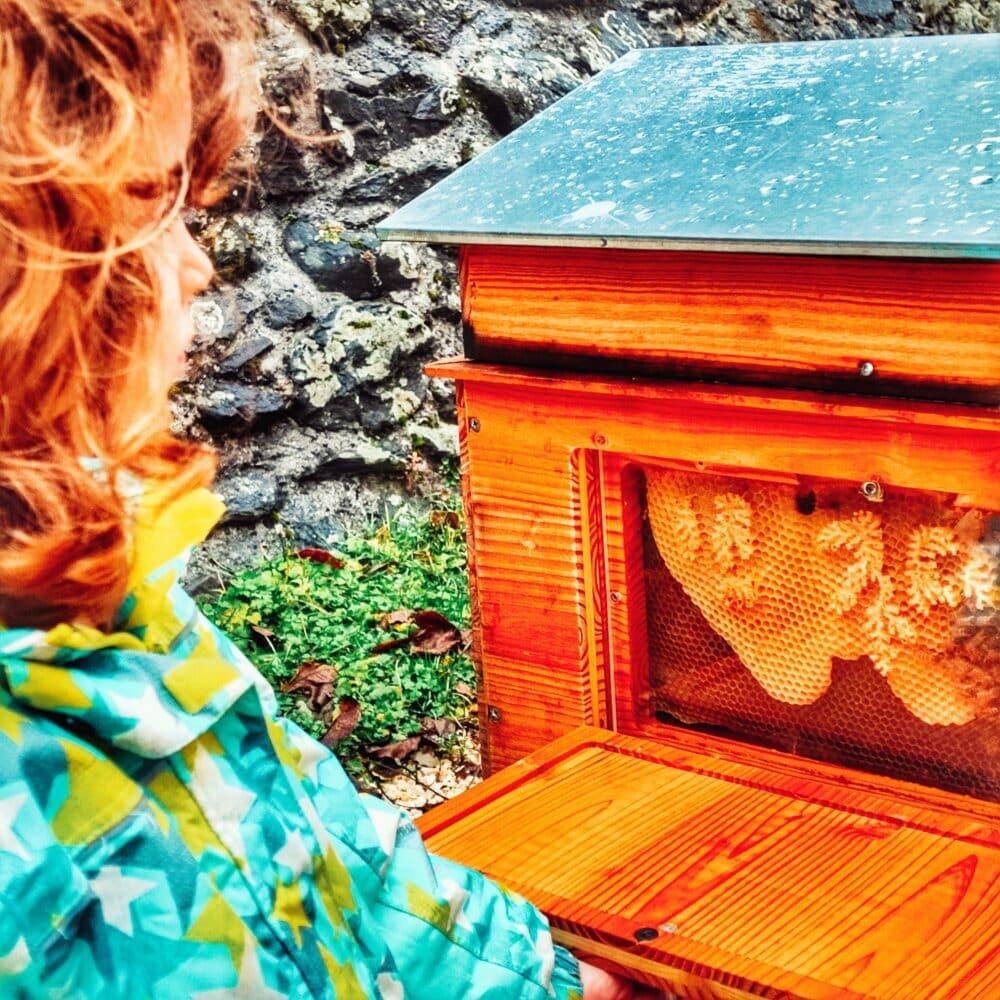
[[817, 618]]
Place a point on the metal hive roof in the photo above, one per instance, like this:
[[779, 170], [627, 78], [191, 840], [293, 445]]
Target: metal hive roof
[[885, 146]]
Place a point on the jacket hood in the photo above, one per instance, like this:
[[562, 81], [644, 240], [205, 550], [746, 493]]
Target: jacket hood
[[163, 675]]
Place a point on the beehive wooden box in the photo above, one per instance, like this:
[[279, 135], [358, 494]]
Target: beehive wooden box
[[730, 449]]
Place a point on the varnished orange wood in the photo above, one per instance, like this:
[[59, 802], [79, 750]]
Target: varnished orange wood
[[764, 874], [770, 317], [541, 595]]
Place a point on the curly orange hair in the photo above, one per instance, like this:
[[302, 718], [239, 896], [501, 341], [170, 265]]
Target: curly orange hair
[[82, 83]]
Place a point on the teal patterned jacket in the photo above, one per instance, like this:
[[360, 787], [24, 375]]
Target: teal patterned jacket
[[163, 833]]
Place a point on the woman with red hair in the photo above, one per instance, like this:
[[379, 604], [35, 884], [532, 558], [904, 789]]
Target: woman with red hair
[[162, 832]]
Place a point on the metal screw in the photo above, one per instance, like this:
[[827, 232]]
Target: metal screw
[[866, 369], [872, 490], [616, 596], [600, 440], [474, 423], [494, 714], [668, 928], [646, 933]]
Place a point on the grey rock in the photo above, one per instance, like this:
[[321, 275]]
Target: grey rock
[[414, 107], [491, 22], [231, 247], [341, 261], [429, 25], [217, 318], [513, 87], [356, 346], [288, 311], [621, 32], [306, 514], [250, 349], [541, 4], [441, 440], [249, 495], [334, 20], [282, 168], [234, 405], [398, 186], [873, 10]]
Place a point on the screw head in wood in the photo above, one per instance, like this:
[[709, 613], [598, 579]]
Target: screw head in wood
[[616, 596], [600, 440], [872, 490], [494, 714], [474, 424], [866, 369], [646, 933]]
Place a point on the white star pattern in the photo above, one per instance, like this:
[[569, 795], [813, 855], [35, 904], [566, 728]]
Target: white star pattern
[[26, 643], [157, 731], [389, 988], [386, 825], [294, 855], [9, 810], [16, 960], [312, 752], [225, 806], [456, 896], [250, 985], [117, 892], [547, 952]]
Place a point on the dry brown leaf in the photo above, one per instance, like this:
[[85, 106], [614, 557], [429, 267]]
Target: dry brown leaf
[[321, 556], [438, 727], [444, 518], [401, 616], [262, 636], [390, 644], [464, 690], [397, 751], [434, 635], [348, 714], [316, 680]]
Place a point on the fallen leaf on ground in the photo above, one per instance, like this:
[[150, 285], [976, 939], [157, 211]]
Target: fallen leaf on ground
[[348, 714], [435, 634], [321, 556], [390, 644], [316, 680], [262, 636], [438, 727], [401, 616], [464, 690], [397, 751], [442, 518]]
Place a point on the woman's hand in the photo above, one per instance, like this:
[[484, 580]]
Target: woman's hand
[[601, 985]]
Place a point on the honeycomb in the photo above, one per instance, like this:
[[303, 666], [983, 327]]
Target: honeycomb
[[792, 581]]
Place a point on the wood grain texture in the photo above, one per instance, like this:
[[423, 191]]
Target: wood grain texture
[[930, 326], [764, 874], [536, 583]]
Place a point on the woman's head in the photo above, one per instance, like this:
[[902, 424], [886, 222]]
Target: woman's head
[[117, 114]]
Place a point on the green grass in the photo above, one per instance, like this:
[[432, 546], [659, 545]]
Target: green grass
[[292, 610]]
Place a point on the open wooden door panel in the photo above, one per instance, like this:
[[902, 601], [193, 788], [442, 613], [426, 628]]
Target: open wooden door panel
[[714, 869]]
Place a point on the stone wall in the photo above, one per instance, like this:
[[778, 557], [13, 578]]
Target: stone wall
[[309, 352]]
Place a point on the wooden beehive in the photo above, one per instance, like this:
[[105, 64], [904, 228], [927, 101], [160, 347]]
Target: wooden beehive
[[730, 450]]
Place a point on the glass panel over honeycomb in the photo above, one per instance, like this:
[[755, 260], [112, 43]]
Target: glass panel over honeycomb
[[853, 623]]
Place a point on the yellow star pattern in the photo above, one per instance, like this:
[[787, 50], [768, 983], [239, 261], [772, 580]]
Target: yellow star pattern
[[288, 908]]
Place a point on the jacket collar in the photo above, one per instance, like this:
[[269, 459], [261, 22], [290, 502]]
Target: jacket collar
[[163, 675]]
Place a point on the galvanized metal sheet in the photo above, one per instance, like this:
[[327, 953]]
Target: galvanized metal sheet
[[881, 146]]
